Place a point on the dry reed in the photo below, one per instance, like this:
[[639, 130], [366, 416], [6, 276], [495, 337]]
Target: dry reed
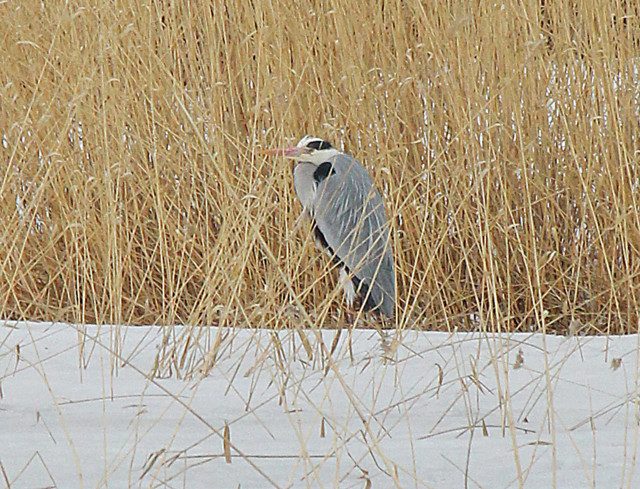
[[504, 136]]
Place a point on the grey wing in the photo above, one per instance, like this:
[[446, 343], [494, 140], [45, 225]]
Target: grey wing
[[349, 212]]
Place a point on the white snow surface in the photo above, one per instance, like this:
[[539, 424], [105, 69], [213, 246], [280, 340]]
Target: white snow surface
[[412, 409]]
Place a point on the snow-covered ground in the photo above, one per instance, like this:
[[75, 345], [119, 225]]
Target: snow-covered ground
[[417, 410]]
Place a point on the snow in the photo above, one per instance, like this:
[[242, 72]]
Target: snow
[[416, 409]]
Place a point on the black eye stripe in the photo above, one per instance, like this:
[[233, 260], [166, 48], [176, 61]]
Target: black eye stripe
[[317, 144]]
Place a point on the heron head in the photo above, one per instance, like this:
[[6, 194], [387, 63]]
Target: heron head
[[310, 149]]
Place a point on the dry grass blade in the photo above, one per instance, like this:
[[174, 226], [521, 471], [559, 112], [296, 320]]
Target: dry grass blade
[[226, 443]]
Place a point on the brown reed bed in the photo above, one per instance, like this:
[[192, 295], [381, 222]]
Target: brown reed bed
[[504, 136]]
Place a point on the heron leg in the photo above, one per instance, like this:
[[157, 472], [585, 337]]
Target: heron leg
[[350, 295], [348, 287]]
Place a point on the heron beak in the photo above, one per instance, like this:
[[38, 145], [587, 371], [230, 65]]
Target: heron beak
[[290, 152]]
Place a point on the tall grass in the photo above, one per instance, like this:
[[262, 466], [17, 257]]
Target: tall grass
[[503, 135]]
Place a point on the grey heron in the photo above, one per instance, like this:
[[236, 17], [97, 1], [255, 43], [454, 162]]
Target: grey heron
[[349, 220]]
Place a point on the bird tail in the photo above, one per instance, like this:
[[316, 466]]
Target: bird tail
[[379, 297]]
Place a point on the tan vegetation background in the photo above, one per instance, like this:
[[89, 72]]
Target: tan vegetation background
[[504, 136]]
